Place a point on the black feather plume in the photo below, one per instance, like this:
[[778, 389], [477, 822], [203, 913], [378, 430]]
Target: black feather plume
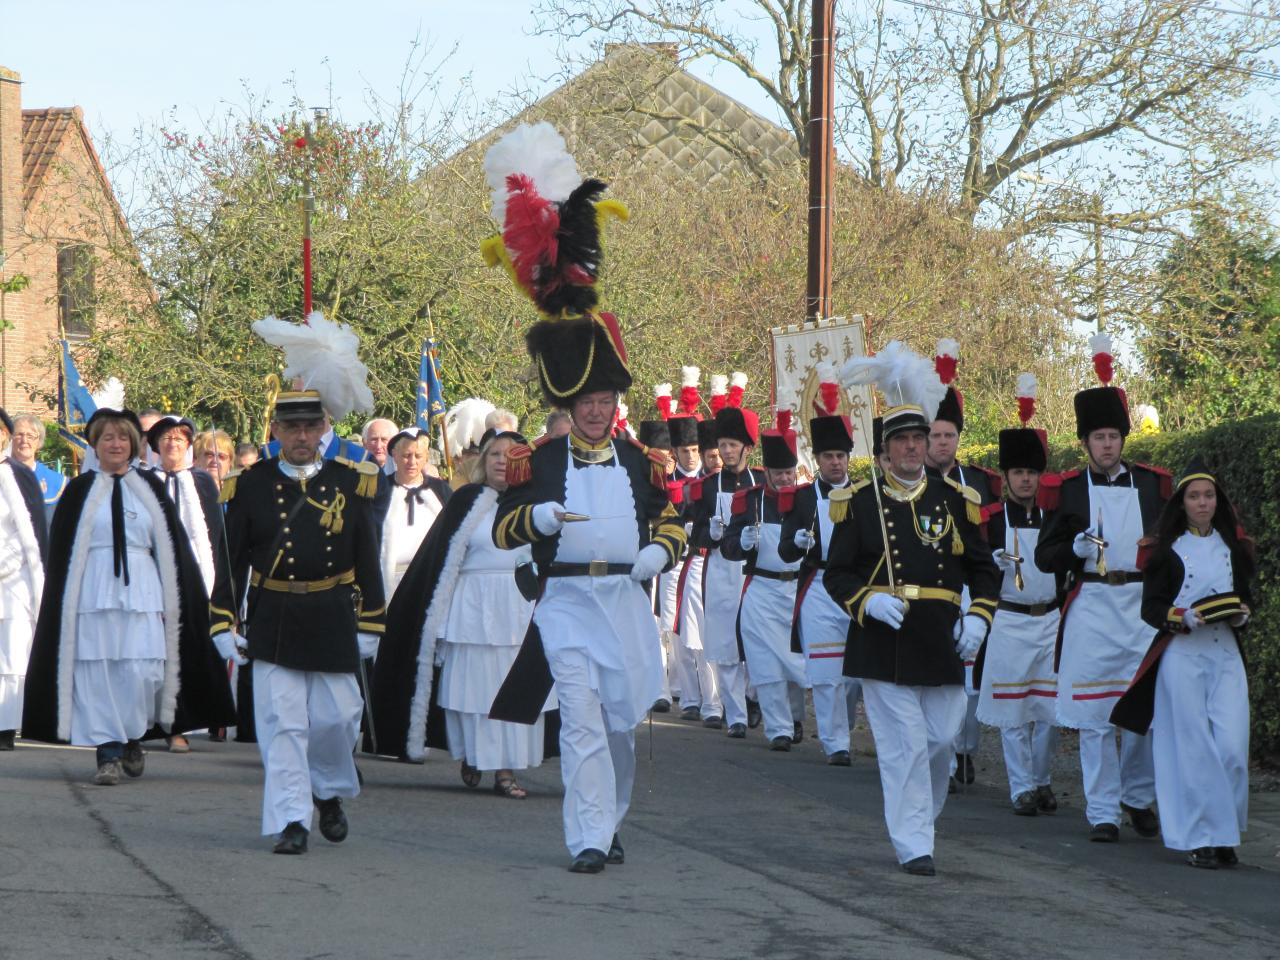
[[569, 284]]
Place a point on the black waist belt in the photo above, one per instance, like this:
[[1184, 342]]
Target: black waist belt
[[1030, 609], [1113, 578], [596, 568], [783, 575]]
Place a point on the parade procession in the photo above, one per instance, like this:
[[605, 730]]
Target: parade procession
[[701, 569]]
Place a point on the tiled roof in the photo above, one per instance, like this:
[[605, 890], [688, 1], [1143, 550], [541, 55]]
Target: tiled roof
[[42, 134]]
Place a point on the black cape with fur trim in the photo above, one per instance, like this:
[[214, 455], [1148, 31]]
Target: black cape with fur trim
[[204, 697], [29, 485], [395, 676]]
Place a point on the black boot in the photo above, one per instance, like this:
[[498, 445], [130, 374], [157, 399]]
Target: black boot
[[293, 839], [333, 822]]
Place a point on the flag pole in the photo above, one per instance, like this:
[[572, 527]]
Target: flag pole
[[444, 434]]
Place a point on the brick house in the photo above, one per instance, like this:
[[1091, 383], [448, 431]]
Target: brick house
[[62, 236]]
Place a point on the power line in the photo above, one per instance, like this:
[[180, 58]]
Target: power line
[[1069, 35]]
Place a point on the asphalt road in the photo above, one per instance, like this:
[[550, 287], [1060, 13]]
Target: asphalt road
[[733, 851]]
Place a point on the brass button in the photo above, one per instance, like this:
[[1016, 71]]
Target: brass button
[[893, 536], [286, 529], [288, 544], [279, 499], [291, 576], [329, 564], [328, 548], [895, 551], [888, 523], [897, 566], [290, 559], [283, 515]]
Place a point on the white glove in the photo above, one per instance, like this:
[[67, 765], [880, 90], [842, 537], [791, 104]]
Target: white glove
[[548, 518], [1003, 561], [231, 647], [805, 539], [886, 608], [750, 538], [649, 563], [367, 644], [1083, 547], [718, 528], [1193, 621], [969, 632]]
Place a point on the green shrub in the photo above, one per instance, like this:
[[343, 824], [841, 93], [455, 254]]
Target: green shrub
[[1245, 456]]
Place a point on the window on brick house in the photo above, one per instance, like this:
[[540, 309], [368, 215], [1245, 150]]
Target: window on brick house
[[75, 288]]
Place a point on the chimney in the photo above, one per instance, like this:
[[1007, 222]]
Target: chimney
[[11, 212]]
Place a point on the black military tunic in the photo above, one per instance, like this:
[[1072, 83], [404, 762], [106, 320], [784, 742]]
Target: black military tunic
[[986, 483], [937, 549], [311, 568]]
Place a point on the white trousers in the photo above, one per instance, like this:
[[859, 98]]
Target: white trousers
[[914, 729], [1028, 755], [1113, 777], [781, 705], [731, 682], [1200, 743], [598, 767], [835, 704], [308, 724]]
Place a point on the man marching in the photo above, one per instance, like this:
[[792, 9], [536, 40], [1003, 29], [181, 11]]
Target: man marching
[[594, 506], [302, 544], [1014, 669], [821, 626], [722, 579], [896, 565], [1101, 514], [767, 609]]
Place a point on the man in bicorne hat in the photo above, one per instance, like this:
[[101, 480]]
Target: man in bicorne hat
[[909, 543], [767, 609], [821, 626], [1101, 514], [593, 506]]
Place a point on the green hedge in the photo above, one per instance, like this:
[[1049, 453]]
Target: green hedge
[[1245, 456]]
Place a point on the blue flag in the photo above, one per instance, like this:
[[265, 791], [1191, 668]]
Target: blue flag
[[75, 405], [431, 405]]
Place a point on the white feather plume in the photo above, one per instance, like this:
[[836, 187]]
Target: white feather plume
[[948, 348], [1100, 343], [110, 395], [827, 372], [326, 356], [739, 379], [661, 390], [689, 376], [538, 151], [1028, 385], [464, 424], [719, 384], [901, 375]]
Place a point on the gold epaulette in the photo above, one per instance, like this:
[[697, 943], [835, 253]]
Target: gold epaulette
[[838, 502], [519, 466], [972, 501], [228, 489], [367, 486]]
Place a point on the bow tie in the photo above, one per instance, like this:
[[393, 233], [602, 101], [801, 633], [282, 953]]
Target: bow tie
[[414, 495]]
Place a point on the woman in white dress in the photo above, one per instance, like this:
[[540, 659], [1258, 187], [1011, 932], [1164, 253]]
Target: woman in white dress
[[122, 642], [462, 590], [412, 501]]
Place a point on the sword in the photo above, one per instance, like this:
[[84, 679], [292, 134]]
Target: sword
[[368, 707], [1016, 556], [1102, 547]]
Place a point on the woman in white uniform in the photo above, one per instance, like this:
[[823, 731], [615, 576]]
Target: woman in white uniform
[[414, 500], [1191, 688], [459, 606], [122, 642]]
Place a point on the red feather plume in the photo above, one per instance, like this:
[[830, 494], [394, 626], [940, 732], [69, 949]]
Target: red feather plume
[[828, 399], [1026, 409], [530, 232], [690, 398]]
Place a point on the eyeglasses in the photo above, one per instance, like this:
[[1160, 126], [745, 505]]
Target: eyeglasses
[[26, 436]]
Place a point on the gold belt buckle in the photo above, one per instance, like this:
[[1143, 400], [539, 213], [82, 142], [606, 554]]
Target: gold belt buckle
[[598, 568], [1116, 578], [296, 586], [1038, 609], [908, 591]]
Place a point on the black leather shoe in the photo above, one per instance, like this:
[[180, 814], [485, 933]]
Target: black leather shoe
[[333, 821], [780, 743], [840, 758], [1104, 833], [616, 853], [134, 760], [1025, 804], [754, 716], [920, 867], [1047, 802], [588, 861], [691, 713], [737, 731], [293, 839], [797, 733], [662, 705], [1226, 856], [1145, 822], [713, 723], [1204, 858], [6, 739], [964, 768]]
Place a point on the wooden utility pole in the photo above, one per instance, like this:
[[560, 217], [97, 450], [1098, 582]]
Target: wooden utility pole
[[821, 157]]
